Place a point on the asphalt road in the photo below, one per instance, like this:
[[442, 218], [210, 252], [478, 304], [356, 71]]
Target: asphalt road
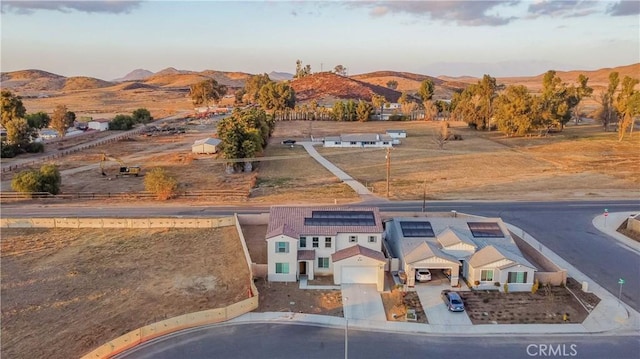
[[564, 227], [268, 340]]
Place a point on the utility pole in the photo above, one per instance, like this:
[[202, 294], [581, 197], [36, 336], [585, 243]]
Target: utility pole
[[424, 196], [388, 157]]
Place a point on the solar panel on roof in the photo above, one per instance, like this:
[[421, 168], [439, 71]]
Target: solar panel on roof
[[485, 229], [417, 229], [340, 218]]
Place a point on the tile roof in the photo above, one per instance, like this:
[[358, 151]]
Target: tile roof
[[290, 221], [451, 236], [306, 254], [357, 250], [427, 250], [491, 254]]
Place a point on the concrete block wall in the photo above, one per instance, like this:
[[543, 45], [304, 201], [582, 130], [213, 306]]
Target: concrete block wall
[[253, 219], [554, 278], [117, 222], [550, 272], [634, 224]]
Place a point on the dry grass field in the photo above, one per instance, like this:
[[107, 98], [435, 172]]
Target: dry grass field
[[66, 292]]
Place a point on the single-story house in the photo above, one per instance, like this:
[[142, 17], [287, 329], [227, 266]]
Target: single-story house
[[480, 250], [359, 140], [101, 124], [343, 242], [397, 133], [206, 146]]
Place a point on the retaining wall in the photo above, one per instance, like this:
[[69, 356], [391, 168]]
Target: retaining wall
[[633, 223], [551, 273]]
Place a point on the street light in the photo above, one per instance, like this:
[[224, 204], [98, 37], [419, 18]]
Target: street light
[[346, 328]]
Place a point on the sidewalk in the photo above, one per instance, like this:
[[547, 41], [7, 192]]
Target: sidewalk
[[358, 187], [609, 317], [609, 226]]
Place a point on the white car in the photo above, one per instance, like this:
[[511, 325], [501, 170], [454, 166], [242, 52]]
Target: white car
[[423, 275]]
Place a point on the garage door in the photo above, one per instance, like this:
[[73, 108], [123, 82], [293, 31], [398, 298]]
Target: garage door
[[359, 275]]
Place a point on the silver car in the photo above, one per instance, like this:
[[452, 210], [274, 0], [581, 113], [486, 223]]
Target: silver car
[[453, 301], [423, 275]]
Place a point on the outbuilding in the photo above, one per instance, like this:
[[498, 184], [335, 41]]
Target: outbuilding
[[101, 124], [206, 146]]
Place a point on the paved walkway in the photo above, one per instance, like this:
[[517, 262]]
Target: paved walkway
[[304, 284], [358, 187], [609, 317]]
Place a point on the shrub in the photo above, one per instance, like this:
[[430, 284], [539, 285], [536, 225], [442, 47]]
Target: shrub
[[8, 150], [506, 287], [34, 147], [158, 182], [47, 179], [535, 286], [121, 122]]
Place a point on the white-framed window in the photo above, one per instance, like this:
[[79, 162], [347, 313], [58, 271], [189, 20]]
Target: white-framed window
[[517, 277], [327, 242], [303, 242], [353, 239], [282, 247], [372, 239], [486, 275], [323, 262], [282, 268], [315, 242], [354, 143]]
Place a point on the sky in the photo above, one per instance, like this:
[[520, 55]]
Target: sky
[[108, 39]]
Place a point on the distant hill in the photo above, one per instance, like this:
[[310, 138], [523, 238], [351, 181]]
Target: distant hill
[[326, 88], [138, 74], [32, 80], [280, 76], [84, 83], [410, 82]]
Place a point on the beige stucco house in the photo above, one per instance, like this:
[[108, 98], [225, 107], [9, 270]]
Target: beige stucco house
[[343, 242], [480, 250]]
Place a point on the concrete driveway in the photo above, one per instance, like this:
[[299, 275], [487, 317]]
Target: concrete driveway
[[434, 307], [362, 301]]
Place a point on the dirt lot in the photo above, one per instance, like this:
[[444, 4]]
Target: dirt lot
[[65, 292], [396, 302], [546, 306], [288, 297]]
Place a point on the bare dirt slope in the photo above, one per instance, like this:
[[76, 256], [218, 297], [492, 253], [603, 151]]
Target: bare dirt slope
[[66, 292]]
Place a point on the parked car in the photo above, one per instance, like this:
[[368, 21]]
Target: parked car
[[423, 275], [289, 142], [453, 301]]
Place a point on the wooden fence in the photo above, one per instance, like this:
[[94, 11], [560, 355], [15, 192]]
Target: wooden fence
[[17, 196]]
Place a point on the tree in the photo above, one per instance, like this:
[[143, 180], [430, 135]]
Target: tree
[[158, 182], [302, 71], [379, 101], [121, 123], [141, 115], [11, 107], [363, 111], [203, 92], [430, 110], [277, 96], [392, 84], [47, 179], [579, 93], [340, 70], [515, 111], [62, 119], [253, 86], [475, 104], [628, 105], [608, 112], [426, 90], [556, 101], [38, 120], [18, 132], [244, 134]]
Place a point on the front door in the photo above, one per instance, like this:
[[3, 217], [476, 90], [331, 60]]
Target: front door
[[303, 268]]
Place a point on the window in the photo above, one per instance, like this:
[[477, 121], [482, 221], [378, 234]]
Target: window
[[338, 143], [303, 242], [327, 242], [282, 247], [282, 268], [354, 143], [353, 239], [315, 242], [385, 143], [486, 275], [323, 262], [372, 239], [517, 277]]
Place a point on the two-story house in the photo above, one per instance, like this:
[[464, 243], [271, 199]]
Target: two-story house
[[343, 242]]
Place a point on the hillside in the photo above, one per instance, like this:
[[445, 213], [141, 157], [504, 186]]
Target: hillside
[[137, 74], [410, 82], [84, 83], [326, 88], [32, 80]]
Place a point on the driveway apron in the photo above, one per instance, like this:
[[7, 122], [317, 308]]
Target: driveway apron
[[362, 301]]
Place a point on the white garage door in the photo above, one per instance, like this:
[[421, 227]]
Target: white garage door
[[359, 275]]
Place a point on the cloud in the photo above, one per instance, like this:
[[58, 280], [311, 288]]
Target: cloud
[[111, 7], [563, 8], [469, 13], [624, 8]]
